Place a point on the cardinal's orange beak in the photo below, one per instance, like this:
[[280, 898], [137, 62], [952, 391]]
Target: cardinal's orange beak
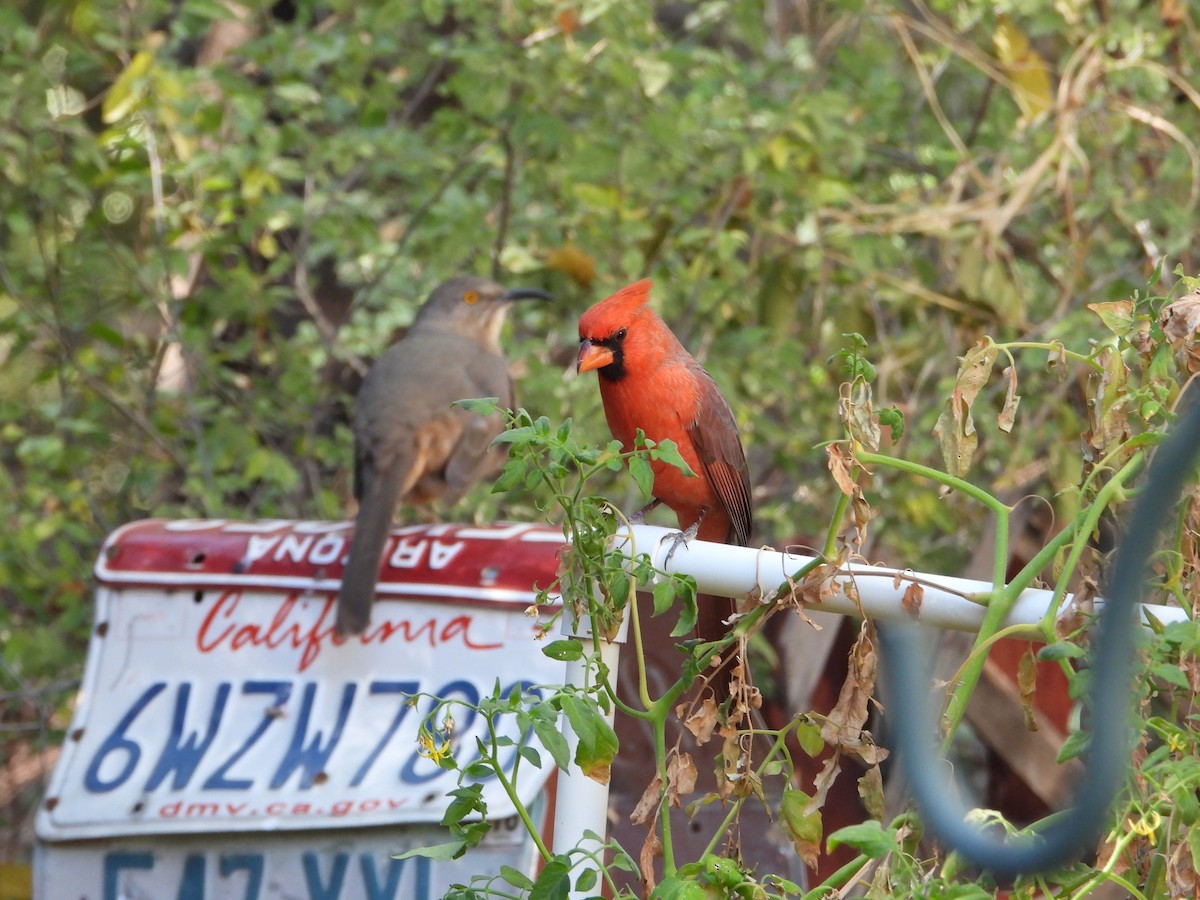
[[592, 356]]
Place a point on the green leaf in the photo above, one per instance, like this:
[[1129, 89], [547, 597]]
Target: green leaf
[[639, 468], [1061, 650], [668, 451], [566, 649], [808, 735], [587, 879], [526, 434], [447, 851], [484, 406], [548, 733], [530, 755], [1171, 674], [465, 802], [685, 594], [597, 744], [664, 596], [892, 418], [512, 475], [554, 881], [516, 878], [1075, 744], [869, 838]]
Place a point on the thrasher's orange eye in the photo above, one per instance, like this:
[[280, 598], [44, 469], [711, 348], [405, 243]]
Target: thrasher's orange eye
[[471, 296]]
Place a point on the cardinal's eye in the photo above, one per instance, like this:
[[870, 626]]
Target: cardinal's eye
[[620, 335], [471, 296]]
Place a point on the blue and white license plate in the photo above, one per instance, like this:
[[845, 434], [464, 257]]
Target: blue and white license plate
[[217, 698], [321, 865]]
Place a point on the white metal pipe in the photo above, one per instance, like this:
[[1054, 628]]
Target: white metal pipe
[[581, 803], [946, 602]]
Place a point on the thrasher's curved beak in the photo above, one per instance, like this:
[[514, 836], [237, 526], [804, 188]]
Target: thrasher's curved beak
[[525, 294]]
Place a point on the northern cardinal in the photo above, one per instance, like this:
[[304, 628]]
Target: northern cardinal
[[410, 442], [649, 381]]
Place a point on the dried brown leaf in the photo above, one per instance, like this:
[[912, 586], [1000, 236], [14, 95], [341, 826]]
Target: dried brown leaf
[[681, 777], [1027, 685], [702, 721], [824, 781], [858, 413], [843, 727], [911, 601], [1180, 322], [955, 427], [1008, 414], [647, 807], [1108, 411], [651, 850], [839, 467]]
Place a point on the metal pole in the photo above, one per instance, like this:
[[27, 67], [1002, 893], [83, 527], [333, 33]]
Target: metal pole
[[946, 602]]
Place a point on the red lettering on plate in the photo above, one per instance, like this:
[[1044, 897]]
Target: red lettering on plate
[[461, 625], [291, 626]]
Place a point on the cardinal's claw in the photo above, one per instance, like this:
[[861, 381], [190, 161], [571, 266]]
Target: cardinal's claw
[[682, 537]]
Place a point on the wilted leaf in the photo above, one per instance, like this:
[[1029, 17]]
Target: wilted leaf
[[597, 742], [651, 850], [1029, 77], [681, 777], [911, 601], [858, 414], [647, 806], [1179, 322], [843, 726], [870, 789], [1012, 400], [824, 780], [703, 720], [839, 468], [573, 263], [955, 428], [1108, 410], [1117, 316], [804, 828], [1027, 685]]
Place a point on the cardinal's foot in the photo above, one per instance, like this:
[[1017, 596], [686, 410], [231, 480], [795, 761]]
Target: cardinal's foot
[[639, 517]]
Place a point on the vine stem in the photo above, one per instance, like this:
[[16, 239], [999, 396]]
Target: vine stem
[[1052, 347], [511, 791], [1104, 496], [779, 744]]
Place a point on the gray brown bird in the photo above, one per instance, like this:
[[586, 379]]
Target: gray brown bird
[[410, 442]]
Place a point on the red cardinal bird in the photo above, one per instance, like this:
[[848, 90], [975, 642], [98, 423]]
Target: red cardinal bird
[[649, 381]]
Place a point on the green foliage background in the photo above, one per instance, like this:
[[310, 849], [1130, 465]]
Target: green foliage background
[[197, 248]]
